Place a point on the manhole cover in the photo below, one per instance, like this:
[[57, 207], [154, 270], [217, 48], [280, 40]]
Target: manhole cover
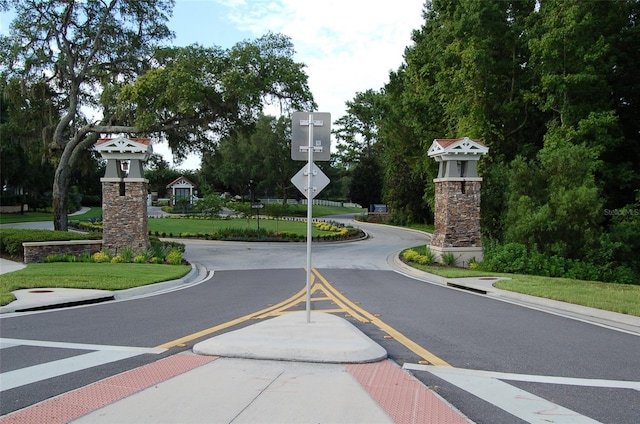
[[40, 291], [488, 278]]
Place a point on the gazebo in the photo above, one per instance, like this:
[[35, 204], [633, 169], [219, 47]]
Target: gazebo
[[181, 188]]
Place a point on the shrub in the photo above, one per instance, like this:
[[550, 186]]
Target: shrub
[[117, 259], [101, 257], [473, 263], [429, 257], [449, 259], [410, 255], [127, 254], [60, 258], [174, 257], [85, 257], [140, 259], [509, 258]]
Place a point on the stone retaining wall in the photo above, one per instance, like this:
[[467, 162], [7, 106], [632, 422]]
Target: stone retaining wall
[[37, 251]]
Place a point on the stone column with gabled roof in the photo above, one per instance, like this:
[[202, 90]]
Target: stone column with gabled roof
[[457, 208], [124, 192]]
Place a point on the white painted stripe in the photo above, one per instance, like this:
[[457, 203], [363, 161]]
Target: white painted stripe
[[4, 344], [28, 375], [82, 346], [569, 381], [522, 404]]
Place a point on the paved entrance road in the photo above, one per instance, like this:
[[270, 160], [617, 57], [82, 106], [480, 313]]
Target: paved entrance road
[[468, 331]]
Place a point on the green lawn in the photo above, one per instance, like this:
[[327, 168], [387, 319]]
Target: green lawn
[[622, 298], [81, 275], [12, 218]]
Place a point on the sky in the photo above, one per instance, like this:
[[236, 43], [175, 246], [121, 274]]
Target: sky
[[348, 46]]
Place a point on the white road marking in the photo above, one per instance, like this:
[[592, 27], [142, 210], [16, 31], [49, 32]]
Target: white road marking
[[81, 346], [102, 354], [522, 404], [569, 381]]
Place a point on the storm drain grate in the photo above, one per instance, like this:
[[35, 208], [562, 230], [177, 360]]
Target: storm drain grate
[[404, 398]]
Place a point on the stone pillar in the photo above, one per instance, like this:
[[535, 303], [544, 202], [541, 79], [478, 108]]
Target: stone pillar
[[124, 193], [124, 213], [457, 219], [457, 210]]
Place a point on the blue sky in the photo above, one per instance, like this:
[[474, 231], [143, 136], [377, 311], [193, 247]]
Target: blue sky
[[348, 46]]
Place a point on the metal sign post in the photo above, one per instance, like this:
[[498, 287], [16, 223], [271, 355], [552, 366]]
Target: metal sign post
[[309, 214], [311, 172]]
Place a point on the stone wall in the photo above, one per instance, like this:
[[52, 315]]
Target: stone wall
[[457, 214], [37, 251], [124, 214]]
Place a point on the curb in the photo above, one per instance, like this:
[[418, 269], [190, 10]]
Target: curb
[[84, 297], [491, 291], [197, 274]]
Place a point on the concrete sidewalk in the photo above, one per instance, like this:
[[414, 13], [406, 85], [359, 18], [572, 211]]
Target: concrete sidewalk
[[321, 371]]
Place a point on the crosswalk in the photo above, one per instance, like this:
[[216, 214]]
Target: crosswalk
[[491, 387], [96, 355]]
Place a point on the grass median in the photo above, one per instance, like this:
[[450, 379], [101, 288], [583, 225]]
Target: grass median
[[79, 275]]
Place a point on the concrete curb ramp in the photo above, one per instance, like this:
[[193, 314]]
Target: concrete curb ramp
[[326, 338]]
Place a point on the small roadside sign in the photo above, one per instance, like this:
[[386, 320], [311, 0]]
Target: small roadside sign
[[319, 181], [321, 123]]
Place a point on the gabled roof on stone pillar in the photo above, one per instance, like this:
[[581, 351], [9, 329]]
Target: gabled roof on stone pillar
[[457, 149], [123, 148]]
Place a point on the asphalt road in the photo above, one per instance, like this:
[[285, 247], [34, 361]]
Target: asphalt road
[[468, 331]]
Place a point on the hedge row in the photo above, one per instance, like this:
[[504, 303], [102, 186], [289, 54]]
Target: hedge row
[[11, 239]]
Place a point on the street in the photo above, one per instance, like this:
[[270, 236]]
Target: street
[[479, 353]]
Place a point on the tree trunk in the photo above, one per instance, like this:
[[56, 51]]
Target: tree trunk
[[60, 202]]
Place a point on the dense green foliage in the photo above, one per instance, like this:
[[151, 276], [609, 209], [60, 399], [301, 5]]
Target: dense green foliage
[[550, 87]]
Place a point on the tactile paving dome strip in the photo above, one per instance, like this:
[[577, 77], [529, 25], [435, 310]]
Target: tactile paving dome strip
[[74, 404], [402, 396]]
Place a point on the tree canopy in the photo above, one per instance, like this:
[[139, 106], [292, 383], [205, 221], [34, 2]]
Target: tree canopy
[[548, 86], [110, 59]]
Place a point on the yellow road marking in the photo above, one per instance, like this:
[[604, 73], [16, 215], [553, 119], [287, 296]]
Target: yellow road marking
[[398, 336], [228, 324], [330, 293]]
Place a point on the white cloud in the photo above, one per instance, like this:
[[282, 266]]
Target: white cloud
[[348, 46]]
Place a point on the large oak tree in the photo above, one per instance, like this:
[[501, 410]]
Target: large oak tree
[[109, 58]]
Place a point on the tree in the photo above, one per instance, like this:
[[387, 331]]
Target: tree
[[106, 56], [210, 205], [357, 131], [80, 50], [261, 154], [26, 118], [365, 187]]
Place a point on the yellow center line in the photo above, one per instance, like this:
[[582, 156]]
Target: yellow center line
[[398, 336], [211, 330], [331, 293]]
